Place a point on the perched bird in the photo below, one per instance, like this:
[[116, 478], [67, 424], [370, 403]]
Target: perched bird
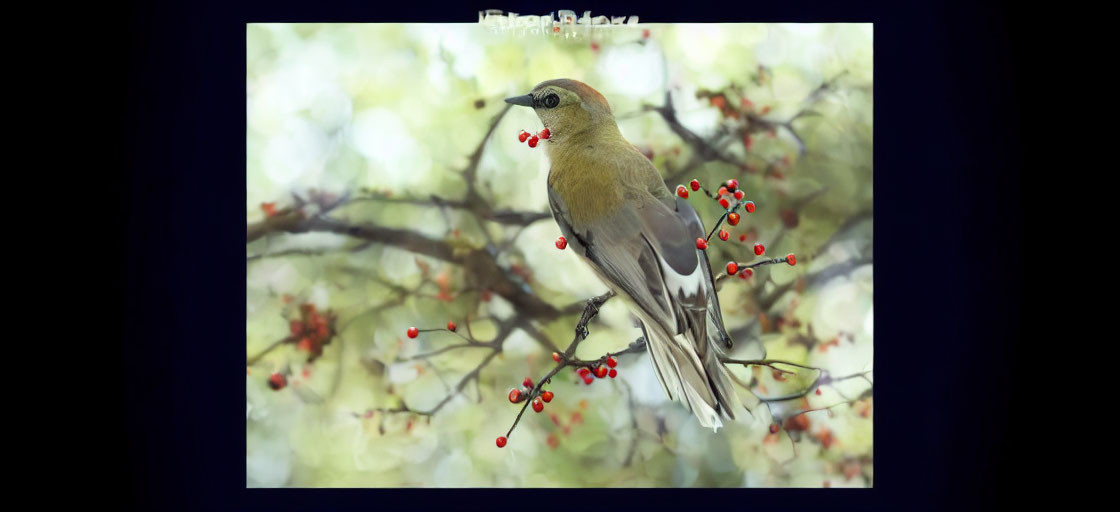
[[616, 212]]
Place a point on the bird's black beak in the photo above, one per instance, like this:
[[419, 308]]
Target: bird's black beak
[[524, 101]]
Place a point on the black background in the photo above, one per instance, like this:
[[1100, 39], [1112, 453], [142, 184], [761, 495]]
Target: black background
[[949, 245]]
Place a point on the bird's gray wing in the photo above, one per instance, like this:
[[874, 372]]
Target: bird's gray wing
[[647, 249], [618, 250]]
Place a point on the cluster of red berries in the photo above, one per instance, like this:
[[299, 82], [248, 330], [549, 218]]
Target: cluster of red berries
[[311, 331], [728, 190], [599, 371], [517, 395], [533, 139]]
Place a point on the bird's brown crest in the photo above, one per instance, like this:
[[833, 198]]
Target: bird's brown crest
[[586, 93]]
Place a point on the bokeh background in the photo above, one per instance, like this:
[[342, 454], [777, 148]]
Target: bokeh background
[[387, 189]]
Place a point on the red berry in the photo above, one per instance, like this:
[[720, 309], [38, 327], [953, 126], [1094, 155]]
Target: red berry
[[818, 391], [722, 191], [724, 235], [296, 326], [413, 332], [611, 361], [743, 238], [533, 141], [538, 405], [791, 259], [528, 382], [701, 244], [733, 219], [523, 135], [600, 371], [759, 249], [739, 194], [681, 191], [514, 396], [501, 441], [451, 326], [724, 202], [732, 268], [277, 381], [583, 371], [749, 206], [613, 373], [732, 184], [773, 428], [695, 184], [588, 380], [748, 272], [556, 356], [561, 243], [546, 396], [304, 344], [544, 134]]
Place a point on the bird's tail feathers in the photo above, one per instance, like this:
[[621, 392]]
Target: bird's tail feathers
[[701, 382]]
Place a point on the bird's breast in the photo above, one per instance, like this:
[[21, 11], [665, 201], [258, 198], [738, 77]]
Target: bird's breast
[[588, 187]]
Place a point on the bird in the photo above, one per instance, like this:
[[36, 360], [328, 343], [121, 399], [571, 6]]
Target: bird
[[640, 239]]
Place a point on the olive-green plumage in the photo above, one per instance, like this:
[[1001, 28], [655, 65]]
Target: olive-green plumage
[[640, 239]]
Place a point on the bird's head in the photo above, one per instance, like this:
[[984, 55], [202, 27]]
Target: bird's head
[[567, 107]]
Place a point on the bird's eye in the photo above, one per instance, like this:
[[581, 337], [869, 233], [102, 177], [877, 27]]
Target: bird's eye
[[551, 100]]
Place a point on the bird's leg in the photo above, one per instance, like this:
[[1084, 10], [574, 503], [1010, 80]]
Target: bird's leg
[[589, 312]]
